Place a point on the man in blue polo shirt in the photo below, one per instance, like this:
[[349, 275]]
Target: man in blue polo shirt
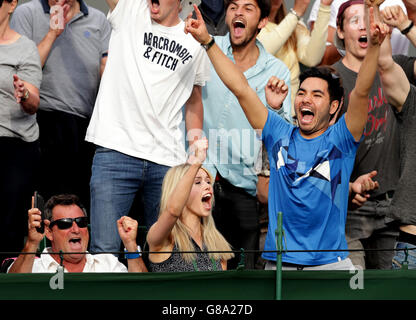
[[311, 164], [72, 40]]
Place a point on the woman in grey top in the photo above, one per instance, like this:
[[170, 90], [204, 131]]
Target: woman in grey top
[[20, 78], [185, 221]]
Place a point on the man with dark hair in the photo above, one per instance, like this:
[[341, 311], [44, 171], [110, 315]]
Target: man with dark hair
[[66, 225], [234, 147], [311, 164]]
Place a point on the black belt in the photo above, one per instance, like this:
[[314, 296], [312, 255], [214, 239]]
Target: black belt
[[297, 266], [384, 196]]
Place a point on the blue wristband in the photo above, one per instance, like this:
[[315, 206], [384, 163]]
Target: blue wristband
[[134, 255]]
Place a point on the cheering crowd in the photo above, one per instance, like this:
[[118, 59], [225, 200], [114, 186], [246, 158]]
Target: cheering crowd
[[213, 123]]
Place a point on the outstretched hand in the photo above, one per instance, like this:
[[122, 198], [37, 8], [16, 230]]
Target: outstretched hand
[[19, 88], [196, 27], [361, 187], [276, 91]]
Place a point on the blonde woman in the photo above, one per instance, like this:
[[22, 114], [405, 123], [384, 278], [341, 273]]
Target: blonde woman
[[185, 222]]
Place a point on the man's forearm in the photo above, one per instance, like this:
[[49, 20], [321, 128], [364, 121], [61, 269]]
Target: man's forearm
[[394, 81], [194, 115], [45, 46], [24, 263]]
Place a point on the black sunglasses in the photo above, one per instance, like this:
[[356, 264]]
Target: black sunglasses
[[66, 223]]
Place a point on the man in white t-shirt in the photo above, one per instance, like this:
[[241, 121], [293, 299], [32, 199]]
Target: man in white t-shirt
[[153, 70], [400, 43], [65, 226]]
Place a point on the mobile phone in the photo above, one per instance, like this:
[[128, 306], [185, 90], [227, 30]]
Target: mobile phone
[[40, 204], [188, 7]]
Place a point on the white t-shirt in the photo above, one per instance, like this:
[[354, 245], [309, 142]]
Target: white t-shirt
[[399, 42], [95, 263], [149, 76]]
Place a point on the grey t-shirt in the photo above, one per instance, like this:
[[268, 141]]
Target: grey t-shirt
[[379, 150], [21, 58], [403, 204], [71, 74]]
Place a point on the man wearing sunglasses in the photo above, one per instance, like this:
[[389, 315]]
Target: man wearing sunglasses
[[66, 225]]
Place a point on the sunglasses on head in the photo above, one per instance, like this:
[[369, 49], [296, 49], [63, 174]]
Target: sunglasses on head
[[66, 223]]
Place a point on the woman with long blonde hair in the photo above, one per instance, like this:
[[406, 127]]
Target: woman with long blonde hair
[[185, 222]]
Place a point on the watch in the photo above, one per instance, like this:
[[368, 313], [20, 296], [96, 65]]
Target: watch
[[209, 44], [407, 29], [295, 13]]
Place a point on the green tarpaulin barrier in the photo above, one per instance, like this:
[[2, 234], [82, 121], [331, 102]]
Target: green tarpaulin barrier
[[224, 285]]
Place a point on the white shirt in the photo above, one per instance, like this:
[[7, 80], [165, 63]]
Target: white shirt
[[399, 42], [95, 263], [149, 76]]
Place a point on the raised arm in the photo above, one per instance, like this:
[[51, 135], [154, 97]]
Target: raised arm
[[331, 53], [60, 15], [273, 36], [230, 75], [127, 229], [24, 262], [395, 17], [357, 113], [311, 45], [159, 234], [395, 84]]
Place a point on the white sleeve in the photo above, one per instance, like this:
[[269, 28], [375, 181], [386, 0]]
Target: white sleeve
[[203, 71]]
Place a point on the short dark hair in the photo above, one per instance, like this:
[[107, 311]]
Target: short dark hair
[[1, 2], [331, 76], [63, 200], [264, 6]]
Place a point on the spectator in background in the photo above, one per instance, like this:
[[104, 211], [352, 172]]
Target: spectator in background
[[233, 144], [66, 225], [213, 12], [370, 226], [153, 70], [287, 38], [332, 53], [72, 40], [310, 164], [401, 93], [185, 222], [20, 79]]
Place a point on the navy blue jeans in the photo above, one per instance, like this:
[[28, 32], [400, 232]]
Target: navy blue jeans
[[115, 180]]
